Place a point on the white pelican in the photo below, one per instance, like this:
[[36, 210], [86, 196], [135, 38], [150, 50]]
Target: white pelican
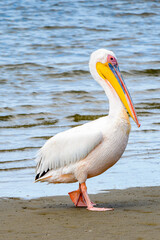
[[90, 149]]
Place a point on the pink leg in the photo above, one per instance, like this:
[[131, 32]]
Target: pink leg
[[78, 198], [89, 203]]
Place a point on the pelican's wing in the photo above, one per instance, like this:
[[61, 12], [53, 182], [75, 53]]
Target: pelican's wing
[[66, 148]]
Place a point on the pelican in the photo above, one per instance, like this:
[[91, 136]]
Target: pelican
[[90, 149]]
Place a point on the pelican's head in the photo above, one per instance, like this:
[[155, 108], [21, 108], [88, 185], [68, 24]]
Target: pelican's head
[[104, 68]]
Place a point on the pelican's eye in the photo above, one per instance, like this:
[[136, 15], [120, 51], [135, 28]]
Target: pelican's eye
[[111, 59]]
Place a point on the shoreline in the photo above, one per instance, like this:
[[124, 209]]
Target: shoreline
[[136, 215]]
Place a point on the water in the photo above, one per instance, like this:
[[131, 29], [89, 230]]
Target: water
[[46, 87]]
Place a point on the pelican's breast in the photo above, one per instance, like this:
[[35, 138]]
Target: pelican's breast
[[109, 151]]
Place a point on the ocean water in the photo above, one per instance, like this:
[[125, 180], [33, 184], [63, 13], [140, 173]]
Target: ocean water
[[46, 87]]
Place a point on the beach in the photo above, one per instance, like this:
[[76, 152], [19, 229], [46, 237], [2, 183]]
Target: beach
[[136, 215]]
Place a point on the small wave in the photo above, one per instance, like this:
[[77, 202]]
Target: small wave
[[149, 130], [16, 168], [149, 72], [75, 92], [24, 65], [144, 14], [97, 29], [24, 115], [67, 74], [16, 161], [58, 27], [153, 90], [42, 137], [156, 123], [143, 113], [18, 149], [6, 117], [43, 123], [20, 65], [149, 105], [78, 117]]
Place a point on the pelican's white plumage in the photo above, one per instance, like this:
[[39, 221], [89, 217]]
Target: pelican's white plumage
[[67, 148], [88, 150]]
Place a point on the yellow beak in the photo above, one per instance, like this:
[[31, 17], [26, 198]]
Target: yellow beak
[[111, 73]]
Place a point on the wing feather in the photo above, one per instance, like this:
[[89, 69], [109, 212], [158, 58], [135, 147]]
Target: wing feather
[[67, 148]]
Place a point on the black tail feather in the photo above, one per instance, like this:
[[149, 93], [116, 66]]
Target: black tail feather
[[39, 175]]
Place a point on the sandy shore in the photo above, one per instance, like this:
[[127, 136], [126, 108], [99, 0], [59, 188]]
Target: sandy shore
[[136, 216]]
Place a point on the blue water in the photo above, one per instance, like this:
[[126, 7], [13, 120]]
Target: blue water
[[46, 87]]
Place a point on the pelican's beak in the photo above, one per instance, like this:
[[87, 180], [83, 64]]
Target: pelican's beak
[[112, 73]]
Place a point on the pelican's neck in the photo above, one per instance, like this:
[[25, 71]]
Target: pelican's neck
[[116, 108]]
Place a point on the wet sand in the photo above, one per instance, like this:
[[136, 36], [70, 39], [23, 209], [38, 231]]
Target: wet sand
[[136, 215]]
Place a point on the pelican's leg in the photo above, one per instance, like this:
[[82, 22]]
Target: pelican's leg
[[88, 202], [77, 198]]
